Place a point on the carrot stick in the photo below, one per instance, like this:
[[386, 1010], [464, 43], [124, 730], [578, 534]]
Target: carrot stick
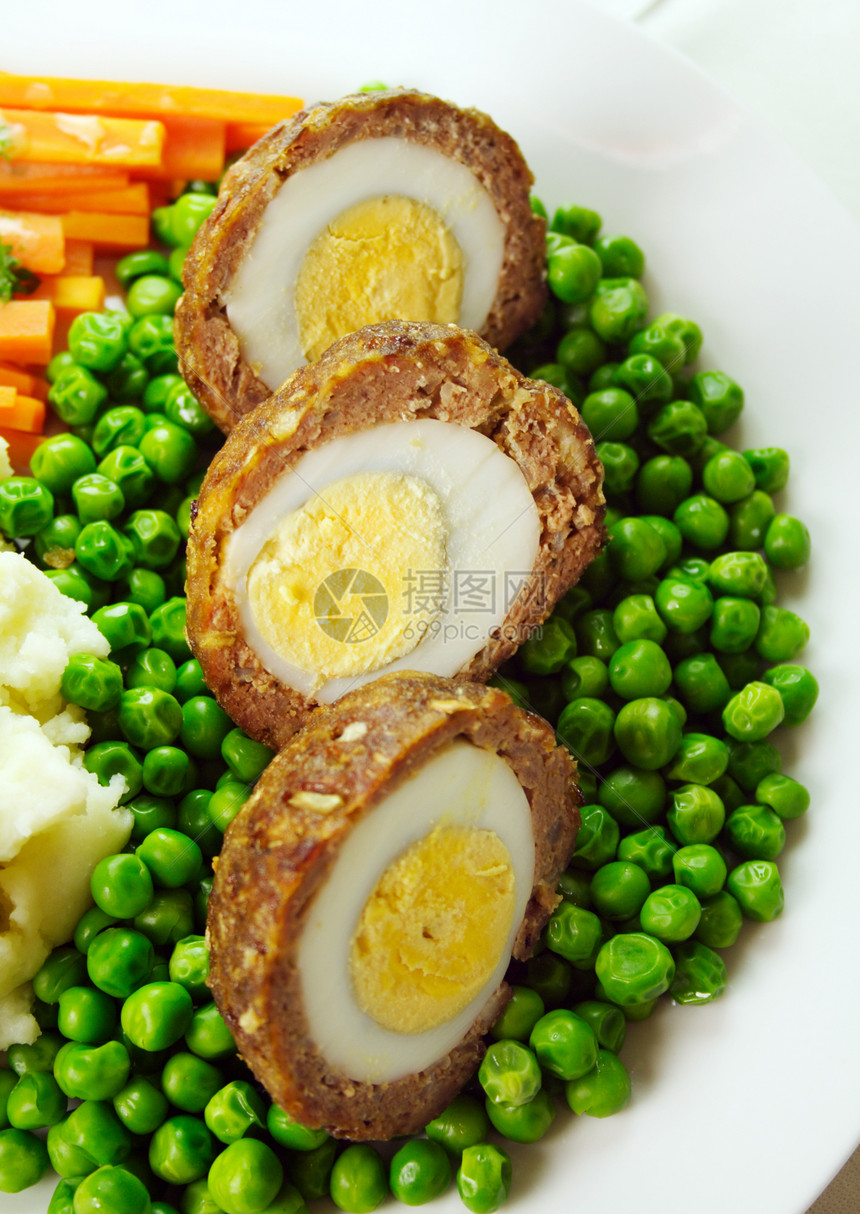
[[107, 232], [29, 385], [83, 139], [72, 293], [22, 177], [79, 258], [27, 330], [242, 135], [131, 200], [21, 448], [143, 100], [193, 148], [19, 412], [37, 240]]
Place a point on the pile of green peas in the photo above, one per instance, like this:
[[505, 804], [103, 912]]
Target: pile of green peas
[[665, 671]]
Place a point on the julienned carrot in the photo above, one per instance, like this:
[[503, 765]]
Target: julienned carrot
[[24, 381], [79, 258], [242, 135], [21, 448], [61, 138], [18, 412], [27, 330], [132, 200], [72, 293], [143, 100], [108, 233], [193, 148], [22, 177], [36, 240]]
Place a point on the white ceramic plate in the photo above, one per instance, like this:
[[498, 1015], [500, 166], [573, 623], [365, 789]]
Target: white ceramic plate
[[751, 1104]]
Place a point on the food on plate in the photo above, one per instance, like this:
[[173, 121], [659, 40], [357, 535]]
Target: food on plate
[[56, 820], [384, 205], [370, 894], [409, 501]]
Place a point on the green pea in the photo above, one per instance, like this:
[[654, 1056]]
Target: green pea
[[578, 223], [573, 272], [111, 1190], [575, 934], [194, 821], [65, 967], [639, 668], [519, 1017], [785, 796], [35, 1102], [671, 913], [734, 624], [696, 814], [92, 1072], [545, 652], [76, 396], [684, 605], [86, 1015], [749, 520], [650, 850], [701, 868], [149, 717], [564, 1044], [67, 1161], [620, 465], [636, 618], [584, 677], [618, 889], [419, 1172], [586, 728], [618, 308], [574, 887], [702, 521], [189, 1082], [604, 1090], [728, 477], [700, 759], [509, 1073], [152, 294], [770, 467], [610, 414], [140, 1106], [119, 960], [94, 1129], [187, 216], [121, 426], [634, 968], [636, 549], [170, 451], [23, 1160], [687, 330], [26, 506], [607, 1022], [168, 628], [54, 545], [126, 628], [170, 856], [190, 682], [226, 802], [151, 339], [484, 1177], [92, 682], [358, 1182], [98, 340], [648, 732], [92, 922], [721, 921], [144, 587], [60, 460], [753, 712], [755, 832], [701, 683], [156, 1015], [750, 761], [633, 795], [523, 1122], [168, 918], [121, 886], [661, 343], [580, 352], [620, 257], [663, 483], [181, 1150], [700, 973], [678, 428], [152, 668], [645, 378], [798, 689], [207, 1034], [597, 838], [236, 1108]]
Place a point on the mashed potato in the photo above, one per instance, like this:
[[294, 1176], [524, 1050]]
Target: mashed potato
[[56, 820]]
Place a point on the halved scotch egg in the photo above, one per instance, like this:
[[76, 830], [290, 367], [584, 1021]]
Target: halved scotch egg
[[392, 859], [409, 501], [383, 205]]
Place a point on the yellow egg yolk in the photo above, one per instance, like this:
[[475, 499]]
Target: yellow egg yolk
[[433, 930], [385, 258], [330, 591]]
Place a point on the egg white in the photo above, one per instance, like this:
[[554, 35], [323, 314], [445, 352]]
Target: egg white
[[260, 296], [462, 785], [492, 526]]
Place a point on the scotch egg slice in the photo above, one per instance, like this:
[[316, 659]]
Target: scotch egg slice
[[383, 205], [370, 895], [409, 501]]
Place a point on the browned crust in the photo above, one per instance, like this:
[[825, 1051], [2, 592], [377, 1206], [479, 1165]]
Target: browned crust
[[275, 857], [209, 354], [389, 372]]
